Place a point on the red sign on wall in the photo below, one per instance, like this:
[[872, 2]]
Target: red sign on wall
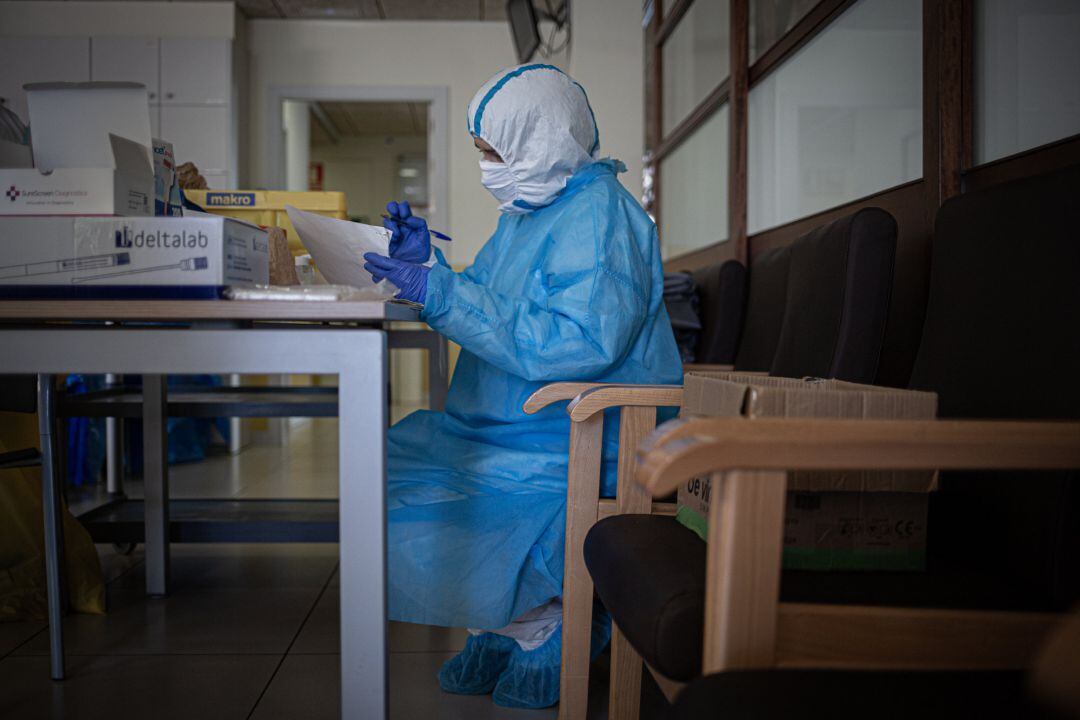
[[315, 176]]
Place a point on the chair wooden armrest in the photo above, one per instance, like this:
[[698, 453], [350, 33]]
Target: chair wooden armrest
[[556, 392], [699, 446], [592, 401]]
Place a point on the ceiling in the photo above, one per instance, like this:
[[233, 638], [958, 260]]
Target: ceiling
[[357, 119]]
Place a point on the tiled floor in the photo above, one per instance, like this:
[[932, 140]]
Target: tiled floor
[[248, 631]]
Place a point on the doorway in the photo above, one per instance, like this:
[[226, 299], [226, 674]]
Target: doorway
[[371, 151], [375, 144]]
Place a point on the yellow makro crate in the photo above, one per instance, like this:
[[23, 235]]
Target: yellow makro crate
[[267, 207]]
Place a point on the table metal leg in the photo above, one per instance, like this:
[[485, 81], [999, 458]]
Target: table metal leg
[[438, 369], [54, 530], [156, 484], [114, 448], [362, 506]]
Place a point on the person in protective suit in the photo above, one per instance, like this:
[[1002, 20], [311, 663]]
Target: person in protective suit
[[569, 288]]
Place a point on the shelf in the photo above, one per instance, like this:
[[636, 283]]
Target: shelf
[[261, 402], [199, 521]]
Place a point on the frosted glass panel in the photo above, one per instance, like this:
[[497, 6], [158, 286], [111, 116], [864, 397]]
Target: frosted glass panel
[[696, 58], [840, 119], [771, 19], [1027, 74], [694, 198]]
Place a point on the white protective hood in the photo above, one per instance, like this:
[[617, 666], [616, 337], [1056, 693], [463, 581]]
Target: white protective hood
[[539, 121]]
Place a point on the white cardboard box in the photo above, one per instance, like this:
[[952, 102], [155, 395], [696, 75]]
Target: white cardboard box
[[91, 150], [193, 256]]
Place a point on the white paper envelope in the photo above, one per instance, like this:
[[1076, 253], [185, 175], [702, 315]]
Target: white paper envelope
[[338, 247]]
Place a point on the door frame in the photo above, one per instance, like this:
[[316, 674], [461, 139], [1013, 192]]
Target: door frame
[[437, 97]]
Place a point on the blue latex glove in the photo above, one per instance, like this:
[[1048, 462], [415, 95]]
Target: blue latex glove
[[411, 278], [410, 238]]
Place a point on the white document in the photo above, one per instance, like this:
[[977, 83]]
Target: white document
[[338, 247]]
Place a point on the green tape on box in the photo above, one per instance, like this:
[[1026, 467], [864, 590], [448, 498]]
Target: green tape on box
[[821, 559], [693, 520]]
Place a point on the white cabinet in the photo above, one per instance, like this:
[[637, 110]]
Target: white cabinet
[[189, 84], [199, 134], [126, 59], [196, 71], [26, 60]]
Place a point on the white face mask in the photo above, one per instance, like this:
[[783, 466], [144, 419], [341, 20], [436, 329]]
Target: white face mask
[[499, 181]]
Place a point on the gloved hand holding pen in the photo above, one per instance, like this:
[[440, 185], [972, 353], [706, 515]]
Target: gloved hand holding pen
[[409, 277], [410, 238]]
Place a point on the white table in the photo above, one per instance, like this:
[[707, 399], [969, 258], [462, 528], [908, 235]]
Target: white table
[[349, 341]]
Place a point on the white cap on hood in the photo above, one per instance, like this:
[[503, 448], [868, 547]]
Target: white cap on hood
[[539, 121]]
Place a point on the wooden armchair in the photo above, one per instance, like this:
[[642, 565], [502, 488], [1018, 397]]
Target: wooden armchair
[[783, 291], [747, 626], [584, 506]]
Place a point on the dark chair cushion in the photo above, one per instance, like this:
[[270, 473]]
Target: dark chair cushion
[[722, 299], [18, 393], [858, 695], [1000, 341], [839, 285], [764, 310], [649, 572]]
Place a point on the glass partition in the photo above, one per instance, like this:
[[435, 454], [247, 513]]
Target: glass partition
[[1027, 75], [695, 59], [694, 203], [771, 19], [840, 119]]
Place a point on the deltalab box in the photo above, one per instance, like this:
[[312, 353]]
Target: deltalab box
[[195, 256]]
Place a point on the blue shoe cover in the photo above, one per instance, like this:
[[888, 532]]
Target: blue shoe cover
[[476, 669], [531, 680]]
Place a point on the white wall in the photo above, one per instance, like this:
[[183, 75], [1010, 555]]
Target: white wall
[[296, 122], [608, 58]]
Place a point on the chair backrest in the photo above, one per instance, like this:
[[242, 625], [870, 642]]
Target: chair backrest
[[18, 393], [839, 286], [764, 310], [722, 299], [1002, 340]]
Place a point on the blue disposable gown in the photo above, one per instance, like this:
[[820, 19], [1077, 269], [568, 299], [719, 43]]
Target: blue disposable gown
[[569, 292]]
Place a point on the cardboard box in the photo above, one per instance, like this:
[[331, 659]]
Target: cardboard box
[[195, 256], [755, 396], [855, 531], [91, 153]]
